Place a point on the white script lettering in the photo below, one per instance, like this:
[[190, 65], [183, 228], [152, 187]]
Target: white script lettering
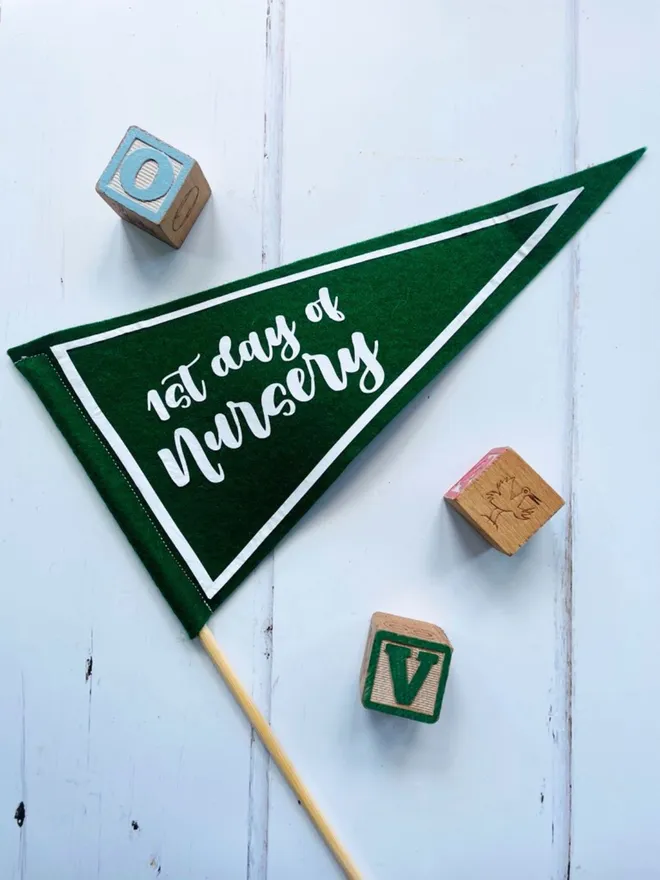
[[281, 335], [314, 311], [300, 384], [177, 394]]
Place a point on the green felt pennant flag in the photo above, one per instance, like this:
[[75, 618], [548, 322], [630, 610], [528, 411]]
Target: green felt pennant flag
[[211, 424]]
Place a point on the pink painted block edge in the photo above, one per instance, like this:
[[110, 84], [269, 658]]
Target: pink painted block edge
[[475, 471]]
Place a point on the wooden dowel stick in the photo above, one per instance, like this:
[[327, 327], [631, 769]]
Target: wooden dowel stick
[[276, 752]]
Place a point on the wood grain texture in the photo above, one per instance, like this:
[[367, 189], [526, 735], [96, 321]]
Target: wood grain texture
[[418, 119], [149, 736], [616, 717], [277, 753], [505, 500]]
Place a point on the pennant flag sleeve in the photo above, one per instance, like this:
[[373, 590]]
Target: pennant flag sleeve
[[211, 424]]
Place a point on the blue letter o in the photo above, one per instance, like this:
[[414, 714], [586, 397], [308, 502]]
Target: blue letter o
[[131, 167]]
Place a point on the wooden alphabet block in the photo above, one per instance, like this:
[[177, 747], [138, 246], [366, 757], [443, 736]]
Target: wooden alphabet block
[[154, 186], [405, 667], [504, 499]]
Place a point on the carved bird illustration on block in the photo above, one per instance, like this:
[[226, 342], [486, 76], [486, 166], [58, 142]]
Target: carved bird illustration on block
[[507, 498]]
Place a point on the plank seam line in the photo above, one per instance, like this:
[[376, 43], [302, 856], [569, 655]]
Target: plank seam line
[[271, 257], [567, 587]]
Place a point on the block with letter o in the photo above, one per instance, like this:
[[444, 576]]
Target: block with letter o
[[154, 186]]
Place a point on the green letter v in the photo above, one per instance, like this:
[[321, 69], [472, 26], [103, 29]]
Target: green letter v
[[405, 691]]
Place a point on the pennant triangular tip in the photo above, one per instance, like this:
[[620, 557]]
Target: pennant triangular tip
[[622, 164]]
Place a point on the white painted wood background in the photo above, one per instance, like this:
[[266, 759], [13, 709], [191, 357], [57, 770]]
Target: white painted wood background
[[319, 124]]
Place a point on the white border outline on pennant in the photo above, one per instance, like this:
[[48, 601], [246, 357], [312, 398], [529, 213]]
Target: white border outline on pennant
[[209, 585]]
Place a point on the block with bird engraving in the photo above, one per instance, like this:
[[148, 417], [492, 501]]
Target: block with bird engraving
[[504, 499], [405, 667]]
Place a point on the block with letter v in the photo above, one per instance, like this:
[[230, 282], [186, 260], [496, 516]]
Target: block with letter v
[[405, 667]]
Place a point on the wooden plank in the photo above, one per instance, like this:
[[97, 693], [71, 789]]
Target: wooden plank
[[616, 719], [110, 715], [394, 116]]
